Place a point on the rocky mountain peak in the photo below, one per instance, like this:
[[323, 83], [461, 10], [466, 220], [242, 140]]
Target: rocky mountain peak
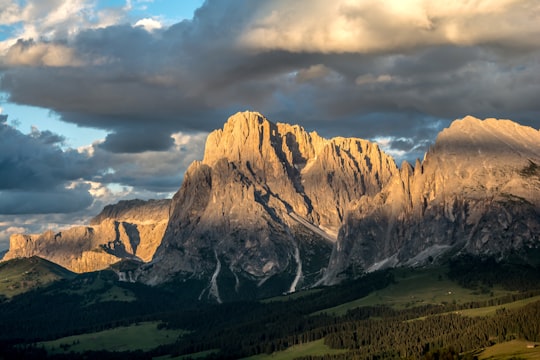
[[266, 201], [503, 139], [476, 191]]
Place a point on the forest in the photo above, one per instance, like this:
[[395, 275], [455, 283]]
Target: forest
[[240, 329]]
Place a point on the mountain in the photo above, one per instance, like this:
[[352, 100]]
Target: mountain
[[273, 208], [128, 230], [477, 191], [261, 212]]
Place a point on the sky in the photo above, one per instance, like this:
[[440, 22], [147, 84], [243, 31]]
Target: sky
[[105, 100]]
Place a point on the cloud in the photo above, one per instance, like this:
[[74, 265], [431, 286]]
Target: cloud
[[156, 171], [35, 169], [30, 53], [149, 24], [404, 70], [372, 26], [36, 162], [56, 200]]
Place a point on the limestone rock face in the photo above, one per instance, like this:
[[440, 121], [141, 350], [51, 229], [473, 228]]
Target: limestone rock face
[[264, 206], [477, 191], [128, 230]]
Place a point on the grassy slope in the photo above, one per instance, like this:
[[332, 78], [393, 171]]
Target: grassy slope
[[105, 290], [144, 336], [509, 350], [292, 296], [490, 310], [417, 287], [20, 275], [199, 355], [312, 348]]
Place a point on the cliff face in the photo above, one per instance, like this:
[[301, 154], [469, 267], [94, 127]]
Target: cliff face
[[127, 230], [265, 203], [477, 191]]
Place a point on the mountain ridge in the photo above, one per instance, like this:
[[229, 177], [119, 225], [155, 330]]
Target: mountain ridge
[[272, 208], [128, 230], [466, 195]]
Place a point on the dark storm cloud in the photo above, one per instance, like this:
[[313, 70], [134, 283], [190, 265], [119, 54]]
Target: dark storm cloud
[[402, 70], [36, 174], [132, 140], [57, 200], [34, 162], [47, 137], [35, 169]]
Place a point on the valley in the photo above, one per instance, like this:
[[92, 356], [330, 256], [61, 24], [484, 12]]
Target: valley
[[107, 317]]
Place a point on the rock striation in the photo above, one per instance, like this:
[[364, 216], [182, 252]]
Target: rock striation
[[477, 191], [127, 230], [264, 206]]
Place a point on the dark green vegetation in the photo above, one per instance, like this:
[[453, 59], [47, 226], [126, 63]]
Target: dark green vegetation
[[438, 313], [139, 336], [20, 275]]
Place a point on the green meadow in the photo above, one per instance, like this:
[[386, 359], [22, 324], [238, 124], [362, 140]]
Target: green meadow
[[415, 288], [312, 348], [143, 336]]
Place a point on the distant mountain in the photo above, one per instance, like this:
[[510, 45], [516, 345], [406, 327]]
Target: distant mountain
[[24, 274], [262, 210], [128, 230], [476, 192]]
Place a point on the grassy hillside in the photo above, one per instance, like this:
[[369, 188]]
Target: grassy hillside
[[21, 275], [311, 348], [143, 336], [417, 287], [515, 349]]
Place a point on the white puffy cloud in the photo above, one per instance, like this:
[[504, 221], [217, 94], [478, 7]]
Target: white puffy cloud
[[149, 24], [347, 26]]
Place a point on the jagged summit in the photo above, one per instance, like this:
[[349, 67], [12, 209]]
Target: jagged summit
[[266, 202], [477, 191], [488, 138]]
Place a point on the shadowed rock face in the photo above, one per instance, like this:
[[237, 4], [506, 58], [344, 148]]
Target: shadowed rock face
[[266, 201], [127, 230], [477, 191]]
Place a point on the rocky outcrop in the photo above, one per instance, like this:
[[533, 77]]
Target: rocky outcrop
[[477, 191], [128, 230], [264, 206], [135, 211]]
